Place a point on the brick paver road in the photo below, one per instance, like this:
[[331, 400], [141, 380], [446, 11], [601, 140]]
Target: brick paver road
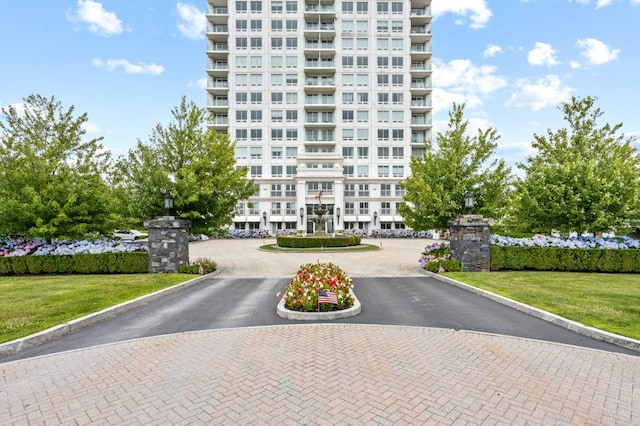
[[324, 374]]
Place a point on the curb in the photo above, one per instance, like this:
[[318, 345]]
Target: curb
[[311, 316], [55, 332], [595, 333]]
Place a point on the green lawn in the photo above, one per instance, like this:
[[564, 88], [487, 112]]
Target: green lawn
[[609, 302], [29, 304]]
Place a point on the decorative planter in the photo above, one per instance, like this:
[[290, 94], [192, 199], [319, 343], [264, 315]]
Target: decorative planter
[[318, 316]]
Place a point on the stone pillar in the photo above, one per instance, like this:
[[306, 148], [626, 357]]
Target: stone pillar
[[469, 243], [168, 243]]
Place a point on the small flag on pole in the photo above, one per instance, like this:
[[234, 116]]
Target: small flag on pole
[[327, 297]]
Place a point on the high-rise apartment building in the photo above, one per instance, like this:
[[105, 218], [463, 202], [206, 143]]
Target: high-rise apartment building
[[323, 97]]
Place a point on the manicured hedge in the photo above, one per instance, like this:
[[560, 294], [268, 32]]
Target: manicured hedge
[[293, 241], [561, 259], [104, 263]]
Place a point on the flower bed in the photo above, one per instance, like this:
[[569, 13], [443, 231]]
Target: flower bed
[[313, 278]]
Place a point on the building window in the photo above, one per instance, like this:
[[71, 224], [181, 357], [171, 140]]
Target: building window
[[241, 116], [292, 25], [347, 44], [276, 134], [276, 152], [349, 190], [256, 134], [396, 8], [398, 152], [349, 208], [241, 43], [241, 6], [256, 116], [362, 61], [398, 134], [291, 171], [383, 136], [290, 190], [275, 207], [347, 116], [292, 152], [292, 43], [241, 151], [256, 43], [347, 171], [276, 171], [397, 79], [383, 152], [385, 190], [383, 62], [256, 98], [256, 25], [292, 135], [363, 207], [362, 7], [347, 7], [256, 6], [363, 152], [383, 171], [347, 134], [276, 115], [363, 171], [363, 134], [241, 25], [398, 171], [277, 25], [292, 7], [276, 6], [383, 80], [255, 171], [347, 99], [347, 152]]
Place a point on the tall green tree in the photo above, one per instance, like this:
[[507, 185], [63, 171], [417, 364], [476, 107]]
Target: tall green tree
[[584, 178], [195, 163], [441, 177], [52, 181]]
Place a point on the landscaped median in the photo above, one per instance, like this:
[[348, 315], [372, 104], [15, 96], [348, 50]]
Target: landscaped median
[[318, 291]]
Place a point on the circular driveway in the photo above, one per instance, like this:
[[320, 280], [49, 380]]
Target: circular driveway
[[395, 257]]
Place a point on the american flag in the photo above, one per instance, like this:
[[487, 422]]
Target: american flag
[[327, 297]]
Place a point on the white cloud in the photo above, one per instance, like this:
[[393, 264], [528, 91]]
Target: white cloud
[[461, 75], [542, 54], [478, 9], [596, 51], [535, 95], [98, 20], [192, 22], [493, 49], [128, 67]]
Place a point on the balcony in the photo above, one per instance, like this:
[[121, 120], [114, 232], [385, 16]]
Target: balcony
[[217, 10]]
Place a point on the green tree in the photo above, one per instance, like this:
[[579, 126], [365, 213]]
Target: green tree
[[441, 177], [52, 180], [195, 163], [585, 178]]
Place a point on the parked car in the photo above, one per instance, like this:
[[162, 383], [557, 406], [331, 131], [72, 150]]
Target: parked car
[[129, 235]]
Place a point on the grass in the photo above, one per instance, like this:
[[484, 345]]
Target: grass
[[29, 304], [609, 302]]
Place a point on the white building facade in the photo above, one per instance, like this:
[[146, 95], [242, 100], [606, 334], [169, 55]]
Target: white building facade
[[320, 95]]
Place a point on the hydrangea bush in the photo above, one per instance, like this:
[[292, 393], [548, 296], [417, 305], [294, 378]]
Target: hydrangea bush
[[620, 243], [38, 247], [400, 233], [436, 257], [302, 292]]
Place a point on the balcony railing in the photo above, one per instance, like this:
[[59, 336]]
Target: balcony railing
[[320, 83], [219, 47], [420, 85], [316, 8], [320, 27], [420, 30], [218, 29], [417, 103], [417, 48], [315, 45], [420, 67], [320, 64], [218, 66], [217, 10], [421, 12]]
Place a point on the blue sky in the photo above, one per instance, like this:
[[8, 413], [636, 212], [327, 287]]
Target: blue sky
[[128, 63]]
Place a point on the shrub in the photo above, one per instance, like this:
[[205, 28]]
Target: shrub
[[302, 292], [296, 241], [199, 266], [436, 257]]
